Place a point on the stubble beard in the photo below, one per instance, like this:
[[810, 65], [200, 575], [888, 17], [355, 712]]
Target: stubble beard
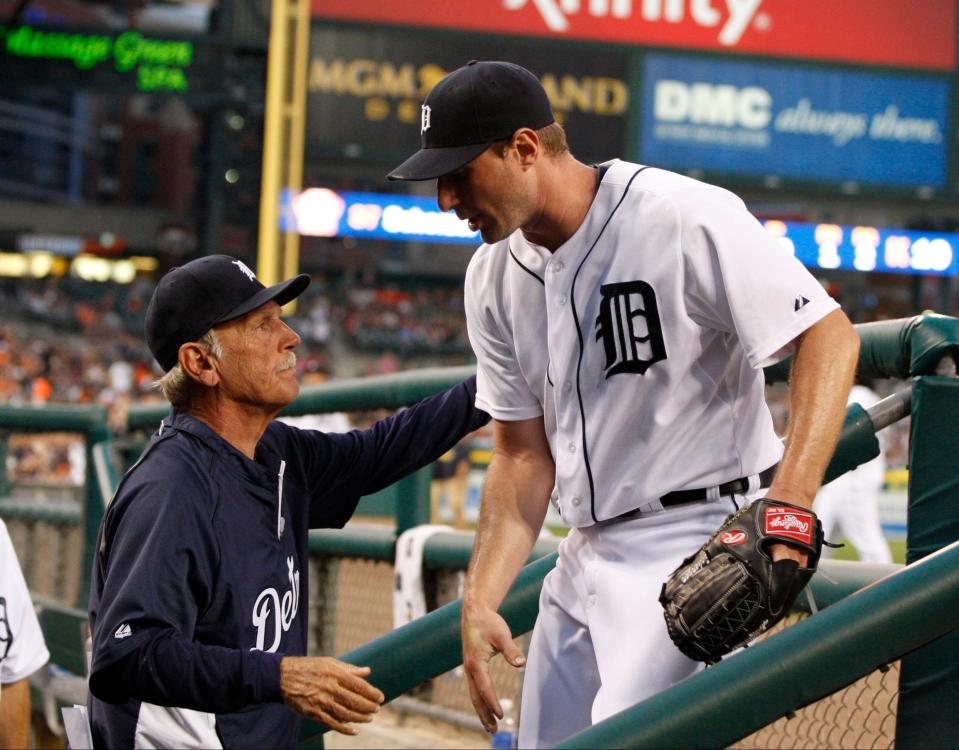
[[513, 213]]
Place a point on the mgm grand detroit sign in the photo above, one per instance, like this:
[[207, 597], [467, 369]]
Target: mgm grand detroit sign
[[362, 104]]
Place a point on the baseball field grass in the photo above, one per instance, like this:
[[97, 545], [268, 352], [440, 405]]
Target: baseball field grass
[[896, 546]]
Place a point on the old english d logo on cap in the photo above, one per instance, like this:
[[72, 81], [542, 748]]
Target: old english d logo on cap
[[472, 107], [245, 269]]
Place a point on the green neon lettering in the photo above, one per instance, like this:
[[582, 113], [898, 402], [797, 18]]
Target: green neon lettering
[[132, 49], [83, 50], [161, 78], [129, 50], [126, 50]]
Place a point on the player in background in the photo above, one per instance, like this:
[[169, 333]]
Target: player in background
[[22, 648], [621, 316], [849, 505], [198, 601]]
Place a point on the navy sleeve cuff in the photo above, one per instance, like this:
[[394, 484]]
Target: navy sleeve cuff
[[264, 676]]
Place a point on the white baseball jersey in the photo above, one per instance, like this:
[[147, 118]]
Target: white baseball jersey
[[22, 648], [641, 340]]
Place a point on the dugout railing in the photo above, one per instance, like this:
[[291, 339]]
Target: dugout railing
[[902, 349]]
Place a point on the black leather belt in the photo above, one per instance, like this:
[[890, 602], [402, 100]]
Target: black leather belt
[[680, 497], [735, 487]]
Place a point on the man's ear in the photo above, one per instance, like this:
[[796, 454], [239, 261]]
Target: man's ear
[[197, 363], [527, 146]]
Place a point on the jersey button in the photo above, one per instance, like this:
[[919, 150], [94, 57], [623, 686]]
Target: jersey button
[[558, 266], [568, 387], [576, 501], [572, 447], [561, 299]]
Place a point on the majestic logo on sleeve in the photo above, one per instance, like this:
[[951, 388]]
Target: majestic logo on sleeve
[[629, 325], [6, 637], [271, 608]]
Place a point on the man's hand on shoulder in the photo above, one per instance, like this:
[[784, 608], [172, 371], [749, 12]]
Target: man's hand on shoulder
[[485, 634], [329, 690]]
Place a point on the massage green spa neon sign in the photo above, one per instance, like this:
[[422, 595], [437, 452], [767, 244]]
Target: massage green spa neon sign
[[158, 65]]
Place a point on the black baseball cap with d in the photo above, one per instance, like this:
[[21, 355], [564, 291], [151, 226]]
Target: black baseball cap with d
[[469, 109], [190, 299]]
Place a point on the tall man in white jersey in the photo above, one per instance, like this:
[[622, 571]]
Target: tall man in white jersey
[[621, 316]]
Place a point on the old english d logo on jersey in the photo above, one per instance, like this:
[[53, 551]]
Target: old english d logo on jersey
[[6, 637], [629, 325]]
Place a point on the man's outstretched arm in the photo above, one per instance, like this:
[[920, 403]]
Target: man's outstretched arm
[[515, 495]]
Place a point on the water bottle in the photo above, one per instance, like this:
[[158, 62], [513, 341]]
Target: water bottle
[[505, 736]]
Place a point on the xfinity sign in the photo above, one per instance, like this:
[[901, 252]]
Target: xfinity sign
[[916, 34], [792, 121], [730, 17], [704, 103]]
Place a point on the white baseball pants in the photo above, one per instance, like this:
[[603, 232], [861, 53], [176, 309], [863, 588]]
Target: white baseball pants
[[600, 643]]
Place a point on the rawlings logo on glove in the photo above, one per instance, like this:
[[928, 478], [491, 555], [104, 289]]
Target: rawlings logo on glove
[[790, 523], [730, 590]]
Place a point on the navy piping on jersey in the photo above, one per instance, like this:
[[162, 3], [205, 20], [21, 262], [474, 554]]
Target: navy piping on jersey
[[579, 333], [513, 256], [548, 378]]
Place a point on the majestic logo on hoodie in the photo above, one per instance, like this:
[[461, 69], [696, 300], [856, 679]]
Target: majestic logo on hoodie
[[270, 609]]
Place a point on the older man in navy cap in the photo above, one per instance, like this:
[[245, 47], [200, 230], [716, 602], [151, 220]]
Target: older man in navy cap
[[199, 584]]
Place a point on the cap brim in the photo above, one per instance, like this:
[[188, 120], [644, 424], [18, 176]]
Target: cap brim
[[431, 163], [280, 293]]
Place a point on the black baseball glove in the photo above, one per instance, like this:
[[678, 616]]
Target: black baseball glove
[[730, 590]]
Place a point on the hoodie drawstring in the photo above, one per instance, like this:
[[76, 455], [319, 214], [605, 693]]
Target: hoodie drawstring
[[279, 505]]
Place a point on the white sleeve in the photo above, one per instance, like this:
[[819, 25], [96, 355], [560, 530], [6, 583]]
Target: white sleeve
[[739, 279], [501, 390], [22, 648]]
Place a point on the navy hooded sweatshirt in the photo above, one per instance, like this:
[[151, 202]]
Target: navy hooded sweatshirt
[[201, 574]]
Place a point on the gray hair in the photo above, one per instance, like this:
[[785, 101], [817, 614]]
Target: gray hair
[[177, 386]]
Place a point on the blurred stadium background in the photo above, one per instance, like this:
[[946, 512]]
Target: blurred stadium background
[[132, 139]]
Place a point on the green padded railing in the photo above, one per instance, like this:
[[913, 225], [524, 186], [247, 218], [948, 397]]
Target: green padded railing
[[443, 551], [63, 632], [796, 667], [899, 348]]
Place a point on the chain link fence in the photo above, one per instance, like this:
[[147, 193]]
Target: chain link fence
[[351, 603], [861, 715]]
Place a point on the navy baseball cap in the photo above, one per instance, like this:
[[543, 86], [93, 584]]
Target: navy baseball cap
[[190, 299], [472, 107]]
